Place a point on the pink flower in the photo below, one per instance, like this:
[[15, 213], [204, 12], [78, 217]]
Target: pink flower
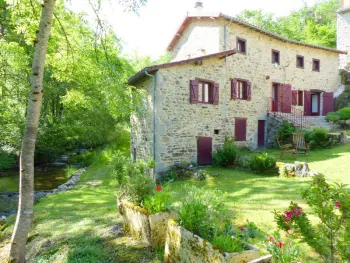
[[337, 204], [271, 239], [243, 228], [159, 188], [281, 244]]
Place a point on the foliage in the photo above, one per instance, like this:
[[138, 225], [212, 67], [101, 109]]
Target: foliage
[[179, 171], [282, 251], [6, 160], [226, 156], [333, 116], [345, 113], [245, 233], [331, 204], [314, 24], [202, 211], [284, 133], [159, 202], [343, 100], [319, 138], [228, 244], [262, 163]]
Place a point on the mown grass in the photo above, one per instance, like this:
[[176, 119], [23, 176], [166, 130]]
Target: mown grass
[[82, 225], [255, 197]]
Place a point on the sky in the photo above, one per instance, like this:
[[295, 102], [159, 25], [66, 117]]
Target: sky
[[150, 32]]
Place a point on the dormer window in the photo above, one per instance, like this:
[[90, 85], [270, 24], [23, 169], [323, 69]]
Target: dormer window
[[241, 45]]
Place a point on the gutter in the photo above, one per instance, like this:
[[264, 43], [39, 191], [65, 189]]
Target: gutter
[[153, 117]]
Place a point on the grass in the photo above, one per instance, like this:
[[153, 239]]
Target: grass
[[254, 197], [82, 225]]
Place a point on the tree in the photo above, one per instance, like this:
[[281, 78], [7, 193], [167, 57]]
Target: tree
[[26, 189]]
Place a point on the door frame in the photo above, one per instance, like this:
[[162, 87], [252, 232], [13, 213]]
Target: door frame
[[319, 104], [276, 96]]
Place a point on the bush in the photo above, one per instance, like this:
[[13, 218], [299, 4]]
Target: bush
[[285, 132], [179, 171], [159, 202], [226, 156], [202, 211], [262, 163], [283, 251], [345, 113], [333, 116], [7, 160], [318, 138], [330, 238], [228, 244]]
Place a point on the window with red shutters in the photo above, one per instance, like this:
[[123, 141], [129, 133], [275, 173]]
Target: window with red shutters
[[241, 89], [294, 97], [193, 91], [205, 92], [240, 129], [300, 98]]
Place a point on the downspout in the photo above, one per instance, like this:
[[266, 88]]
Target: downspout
[[153, 118]]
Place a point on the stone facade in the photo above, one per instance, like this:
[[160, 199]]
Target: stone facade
[[343, 32], [178, 123]]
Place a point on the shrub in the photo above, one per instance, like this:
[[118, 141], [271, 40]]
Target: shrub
[[345, 113], [333, 116], [226, 156], [331, 205], [179, 171], [7, 160], [318, 138], [202, 211], [284, 133], [281, 251], [228, 244], [262, 163], [159, 202]]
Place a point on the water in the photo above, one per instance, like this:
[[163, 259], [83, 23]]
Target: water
[[45, 178]]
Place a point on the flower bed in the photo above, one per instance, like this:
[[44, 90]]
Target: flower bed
[[184, 246], [149, 228]]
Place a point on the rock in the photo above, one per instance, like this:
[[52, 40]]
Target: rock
[[3, 220], [70, 187], [70, 182], [75, 178], [62, 187], [55, 191], [38, 195], [301, 169]]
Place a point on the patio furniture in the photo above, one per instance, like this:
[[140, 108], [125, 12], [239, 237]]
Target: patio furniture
[[286, 148], [301, 147]]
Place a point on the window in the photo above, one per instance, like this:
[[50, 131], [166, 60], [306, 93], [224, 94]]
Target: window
[[300, 62], [275, 57], [316, 65], [242, 90], [134, 154], [240, 129], [241, 45], [205, 92], [216, 131], [300, 98]]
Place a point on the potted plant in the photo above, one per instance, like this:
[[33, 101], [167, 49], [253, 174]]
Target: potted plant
[[204, 233]]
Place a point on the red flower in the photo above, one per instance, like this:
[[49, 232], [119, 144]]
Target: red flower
[[281, 244], [243, 228], [271, 239], [159, 188], [337, 204]]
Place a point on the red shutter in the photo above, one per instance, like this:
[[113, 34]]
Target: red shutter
[[328, 102], [294, 97], [307, 103], [286, 98], [249, 90], [193, 91], [240, 129], [216, 93], [234, 89]]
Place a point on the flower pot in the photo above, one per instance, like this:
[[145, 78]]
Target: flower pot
[[183, 246], [150, 228]]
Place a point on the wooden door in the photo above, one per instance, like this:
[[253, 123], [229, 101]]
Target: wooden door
[[204, 149], [261, 133], [328, 102], [275, 97], [286, 98]]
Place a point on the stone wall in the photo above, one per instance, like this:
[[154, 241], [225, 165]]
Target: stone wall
[[273, 124], [343, 36], [141, 122]]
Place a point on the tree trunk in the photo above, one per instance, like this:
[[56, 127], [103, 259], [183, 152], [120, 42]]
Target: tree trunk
[[26, 185]]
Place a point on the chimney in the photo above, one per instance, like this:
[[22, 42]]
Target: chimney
[[198, 6]]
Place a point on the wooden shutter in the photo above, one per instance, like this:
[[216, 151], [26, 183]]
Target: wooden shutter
[[240, 129], [216, 93], [307, 103], [294, 97], [328, 102], [249, 90], [286, 98], [234, 89], [193, 91]]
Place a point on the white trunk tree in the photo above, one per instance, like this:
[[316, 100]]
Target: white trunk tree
[[26, 186]]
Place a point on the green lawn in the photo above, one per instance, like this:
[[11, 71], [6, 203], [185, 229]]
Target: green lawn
[[254, 197]]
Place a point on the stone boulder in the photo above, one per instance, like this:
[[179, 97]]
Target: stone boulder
[[62, 188], [70, 182]]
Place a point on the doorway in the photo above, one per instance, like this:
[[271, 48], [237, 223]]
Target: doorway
[[204, 149], [261, 133], [315, 104]]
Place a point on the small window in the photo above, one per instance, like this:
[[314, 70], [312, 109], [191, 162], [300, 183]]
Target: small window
[[275, 57], [242, 90], [216, 131], [134, 154], [241, 45], [316, 65], [300, 98], [205, 92], [300, 62]]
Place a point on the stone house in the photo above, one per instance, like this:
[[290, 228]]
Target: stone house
[[231, 79]]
